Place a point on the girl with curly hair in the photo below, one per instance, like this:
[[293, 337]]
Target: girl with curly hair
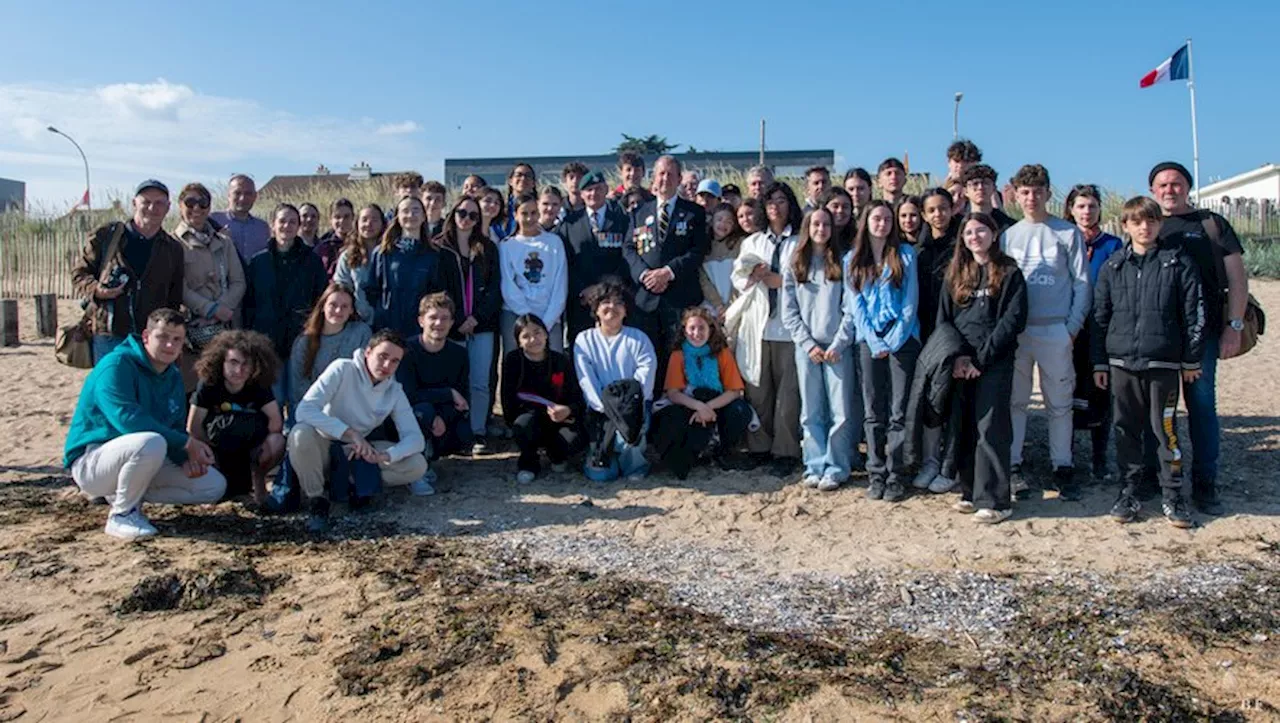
[[234, 411]]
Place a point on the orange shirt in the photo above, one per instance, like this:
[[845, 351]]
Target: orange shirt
[[730, 378]]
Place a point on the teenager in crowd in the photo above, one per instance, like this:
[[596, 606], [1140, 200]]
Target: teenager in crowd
[[707, 413], [235, 413], [213, 284], [891, 176], [985, 300], [541, 400], [550, 203], [1148, 316], [1211, 241], [521, 181], [471, 274], [885, 295], [961, 156], [493, 213], [980, 192], [858, 183], [534, 276], [907, 212], [434, 198], [631, 170], [473, 184], [716, 275], [731, 195], [707, 195], [309, 224], [593, 236], [342, 226], [812, 312], [570, 178], [773, 387], [750, 214], [759, 180], [608, 353], [406, 267], [669, 240], [840, 205], [405, 185], [284, 281], [126, 442], [1091, 404], [332, 332], [354, 270], [352, 398], [436, 381], [816, 182], [1050, 253]]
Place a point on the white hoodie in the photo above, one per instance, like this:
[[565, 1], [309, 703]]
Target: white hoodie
[[344, 396]]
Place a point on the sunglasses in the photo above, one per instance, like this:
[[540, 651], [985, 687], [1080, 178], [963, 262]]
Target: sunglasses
[[193, 202], [463, 213]]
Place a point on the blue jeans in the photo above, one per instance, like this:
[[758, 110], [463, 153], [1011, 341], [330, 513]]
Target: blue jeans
[[104, 345], [824, 416], [480, 358], [1202, 415], [627, 459]]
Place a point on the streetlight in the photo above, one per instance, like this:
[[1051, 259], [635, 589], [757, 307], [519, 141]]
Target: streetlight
[[88, 205], [955, 119]]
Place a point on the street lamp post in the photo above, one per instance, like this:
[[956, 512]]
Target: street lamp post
[[88, 204], [955, 118]]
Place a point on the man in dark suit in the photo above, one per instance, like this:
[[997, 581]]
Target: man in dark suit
[[668, 242], [593, 235]]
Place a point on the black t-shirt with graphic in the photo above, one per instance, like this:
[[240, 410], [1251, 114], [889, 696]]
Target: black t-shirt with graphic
[[1188, 229], [234, 425]]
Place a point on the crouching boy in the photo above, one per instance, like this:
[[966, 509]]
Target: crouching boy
[[1149, 319], [347, 402]]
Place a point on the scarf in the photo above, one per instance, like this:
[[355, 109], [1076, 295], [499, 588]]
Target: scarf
[[406, 244], [700, 368]]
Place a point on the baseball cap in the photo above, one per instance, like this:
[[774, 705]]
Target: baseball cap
[[150, 184], [710, 186]]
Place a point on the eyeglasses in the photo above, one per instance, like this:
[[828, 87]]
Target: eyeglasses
[[464, 213], [520, 174], [195, 202]]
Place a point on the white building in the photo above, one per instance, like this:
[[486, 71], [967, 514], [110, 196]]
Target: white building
[[1257, 185]]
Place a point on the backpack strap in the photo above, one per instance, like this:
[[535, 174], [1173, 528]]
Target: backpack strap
[[112, 250]]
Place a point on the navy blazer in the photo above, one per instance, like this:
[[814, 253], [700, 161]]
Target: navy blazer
[[592, 257], [683, 249]]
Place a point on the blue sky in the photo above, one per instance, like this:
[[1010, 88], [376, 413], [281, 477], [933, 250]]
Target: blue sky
[[194, 92]]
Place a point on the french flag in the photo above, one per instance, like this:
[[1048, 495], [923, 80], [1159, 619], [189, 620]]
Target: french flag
[[1175, 67]]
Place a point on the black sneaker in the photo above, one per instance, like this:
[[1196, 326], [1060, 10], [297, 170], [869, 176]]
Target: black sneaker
[[1176, 511], [1099, 472], [894, 491], [1126, 507], [783, 466], [1204, 495], [318, 520], [1064, 478], [876, 489], [481, 446], [1018, 484], [1148, 486], [360, 503]]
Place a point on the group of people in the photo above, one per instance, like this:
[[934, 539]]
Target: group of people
[[742, 330]]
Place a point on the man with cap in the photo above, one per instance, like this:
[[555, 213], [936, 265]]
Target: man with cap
[[593, 236], [128, 269], [732, 195], [708, 196], [1211, 241]]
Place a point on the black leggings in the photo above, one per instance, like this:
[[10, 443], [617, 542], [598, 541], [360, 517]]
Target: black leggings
[[680, 442], [534, 430]]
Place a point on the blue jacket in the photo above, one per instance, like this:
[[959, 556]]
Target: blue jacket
[[400, 280], [124, 394], [884, 315], [1098, 252], [283, 286]]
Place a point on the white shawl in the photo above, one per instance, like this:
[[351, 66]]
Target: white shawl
[[745, 320]]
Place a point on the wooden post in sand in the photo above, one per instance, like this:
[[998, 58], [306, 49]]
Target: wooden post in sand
[[46, 315], [9, 322]]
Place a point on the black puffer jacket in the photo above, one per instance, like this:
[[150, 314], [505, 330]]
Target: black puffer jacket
[[1148, 311], [623, 402], [989, 326], [930, 400]]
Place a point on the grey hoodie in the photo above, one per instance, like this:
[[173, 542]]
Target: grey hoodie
[[345, 396], [1051, 256], [812, 311]]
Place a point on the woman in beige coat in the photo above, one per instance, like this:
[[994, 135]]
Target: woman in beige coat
[[213, 280]]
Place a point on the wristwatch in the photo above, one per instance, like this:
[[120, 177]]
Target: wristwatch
[[1236, 324]]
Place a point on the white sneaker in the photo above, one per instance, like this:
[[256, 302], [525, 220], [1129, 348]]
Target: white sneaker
[[423, 487], [130, 526], [810, 480], [964, 507], [991, 517], [524, 476], [927, 474], [827, 484], [941, 485]]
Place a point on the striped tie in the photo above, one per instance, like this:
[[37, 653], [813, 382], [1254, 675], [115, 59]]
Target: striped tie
[[664, 220]]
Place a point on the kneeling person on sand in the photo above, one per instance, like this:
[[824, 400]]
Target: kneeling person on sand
[[350, 399], [127, 441]]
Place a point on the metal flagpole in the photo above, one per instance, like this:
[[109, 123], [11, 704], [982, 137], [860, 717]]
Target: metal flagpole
[[1195, 137]]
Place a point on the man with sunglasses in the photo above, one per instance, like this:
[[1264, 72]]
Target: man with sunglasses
[[129, 269], [593, 235]]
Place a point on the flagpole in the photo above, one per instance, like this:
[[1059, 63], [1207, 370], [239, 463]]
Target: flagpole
[[1195, 137]]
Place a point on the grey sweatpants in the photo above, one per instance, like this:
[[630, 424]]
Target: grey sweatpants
[[134, 468], [309, 455], [1049, 348], [776, 401]]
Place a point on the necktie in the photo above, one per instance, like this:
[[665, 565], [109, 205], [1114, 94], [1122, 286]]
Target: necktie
[[664, 220], [595, 224], [774, 266]]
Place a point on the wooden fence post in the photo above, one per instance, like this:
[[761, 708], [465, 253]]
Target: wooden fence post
[[46, 315], [9, 322]]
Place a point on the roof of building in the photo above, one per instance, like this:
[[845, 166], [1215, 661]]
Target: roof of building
[[1239, 179]]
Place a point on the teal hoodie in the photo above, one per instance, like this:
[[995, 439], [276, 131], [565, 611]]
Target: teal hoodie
[[124, 394]]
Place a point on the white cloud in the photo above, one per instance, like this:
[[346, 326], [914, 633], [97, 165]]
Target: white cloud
[[398, 129], [171, 131]]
